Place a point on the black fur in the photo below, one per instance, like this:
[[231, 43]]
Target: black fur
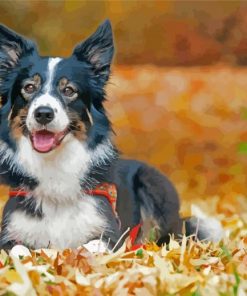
[[143, 193]]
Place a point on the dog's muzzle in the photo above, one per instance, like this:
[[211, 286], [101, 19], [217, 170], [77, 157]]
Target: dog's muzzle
[[44, 139]]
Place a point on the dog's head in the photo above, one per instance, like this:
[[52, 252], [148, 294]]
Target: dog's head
[[48, 98]]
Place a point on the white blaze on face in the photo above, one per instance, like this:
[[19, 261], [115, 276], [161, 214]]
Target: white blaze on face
[[61, 120], [52, 65]]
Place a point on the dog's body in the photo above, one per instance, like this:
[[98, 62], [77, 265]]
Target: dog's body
[[59, 214], [56, 144]]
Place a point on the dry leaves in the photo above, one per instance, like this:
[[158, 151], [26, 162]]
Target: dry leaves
[[184, 267]]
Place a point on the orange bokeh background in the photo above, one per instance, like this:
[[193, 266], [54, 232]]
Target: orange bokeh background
[[177, 96]]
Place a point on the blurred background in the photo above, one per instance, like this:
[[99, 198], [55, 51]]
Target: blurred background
[[178, 93]]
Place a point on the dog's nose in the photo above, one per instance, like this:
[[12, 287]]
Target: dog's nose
[[44, 115]]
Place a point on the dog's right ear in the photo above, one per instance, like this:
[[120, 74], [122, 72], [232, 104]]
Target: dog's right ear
[[12, 48]]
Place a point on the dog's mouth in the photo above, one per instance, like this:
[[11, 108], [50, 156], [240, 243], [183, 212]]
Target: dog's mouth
[[44, 141]]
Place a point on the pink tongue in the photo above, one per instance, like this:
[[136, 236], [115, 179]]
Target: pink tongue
[[43, 141]]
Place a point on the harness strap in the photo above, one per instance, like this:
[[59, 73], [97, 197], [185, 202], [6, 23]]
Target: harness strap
[[18, 192], [108, 190]]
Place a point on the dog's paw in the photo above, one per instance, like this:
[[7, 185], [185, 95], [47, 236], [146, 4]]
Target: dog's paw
[[96, 246], [19, 250]]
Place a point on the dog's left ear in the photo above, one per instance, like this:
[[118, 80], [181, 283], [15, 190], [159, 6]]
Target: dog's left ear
[[98, 50]]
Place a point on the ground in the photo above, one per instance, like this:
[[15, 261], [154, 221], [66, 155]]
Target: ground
[[191, 123]]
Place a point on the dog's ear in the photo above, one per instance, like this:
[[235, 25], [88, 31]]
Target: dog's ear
[[98, 50], [12, 48]]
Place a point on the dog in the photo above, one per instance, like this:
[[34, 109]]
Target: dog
[[69, 185]]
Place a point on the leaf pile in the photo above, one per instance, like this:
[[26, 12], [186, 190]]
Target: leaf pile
[[184, 267]]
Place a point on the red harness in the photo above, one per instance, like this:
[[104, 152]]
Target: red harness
[[107, 190]]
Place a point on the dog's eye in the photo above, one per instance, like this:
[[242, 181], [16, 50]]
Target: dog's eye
[[68, 91], [29, 88]]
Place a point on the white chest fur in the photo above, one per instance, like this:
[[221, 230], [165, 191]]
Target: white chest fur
[[60, 227], [69, 218], [58, 172]]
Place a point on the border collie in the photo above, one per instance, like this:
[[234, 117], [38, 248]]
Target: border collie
[[56, 149]]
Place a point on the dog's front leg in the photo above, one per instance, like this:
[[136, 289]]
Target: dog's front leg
[[5, 244], [11, 173]]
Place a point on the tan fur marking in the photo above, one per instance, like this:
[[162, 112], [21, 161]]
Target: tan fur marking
[[78, 127], [18, 123], [80, 132], [37, 80], [62, 83]]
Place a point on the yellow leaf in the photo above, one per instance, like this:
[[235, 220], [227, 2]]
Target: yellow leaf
[[173, 244], [34, 276], [12, 276]]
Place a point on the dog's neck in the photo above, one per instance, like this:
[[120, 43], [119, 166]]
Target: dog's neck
[[62, 172]]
